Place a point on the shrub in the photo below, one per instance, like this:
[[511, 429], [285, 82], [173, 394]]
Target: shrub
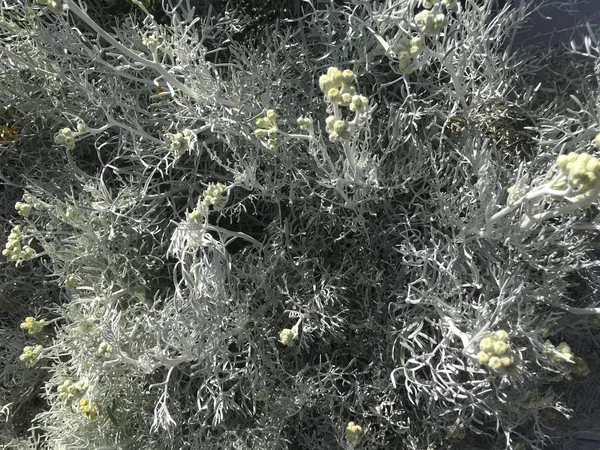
[[353, 224]]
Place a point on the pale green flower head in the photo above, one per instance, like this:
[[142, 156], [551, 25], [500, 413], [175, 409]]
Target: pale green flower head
[[213, 196], [33, 326], [495, 352], [151, 42], [182, 142], [31, 354], [353, 432], [23, 208], [71, 282], [430, 22], [338, 86], [304, 123], [287, 336], [66, 138], [104, 349]]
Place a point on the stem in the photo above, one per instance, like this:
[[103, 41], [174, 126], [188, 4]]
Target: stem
[[350, 157]]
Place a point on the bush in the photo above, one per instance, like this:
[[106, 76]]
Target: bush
[[331, 225]]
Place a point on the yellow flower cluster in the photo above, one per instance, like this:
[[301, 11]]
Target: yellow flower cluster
[[582, 171], [33, 326], [13, 249], [495, 352], [23, 208], [353, 432], [89, 408], [31, 354], [69, 391], [563, 355], [267, 127]]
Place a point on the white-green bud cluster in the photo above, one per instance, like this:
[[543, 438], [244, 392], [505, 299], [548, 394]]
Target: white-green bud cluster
[[213, 196], [582, 171], [182, 142], [66, 138], [359, 103], [13, 250], [69, 391], [407, 50], [56, 6], [267, 127], [287, 336], [104, 349], [31, 354], [82, 127], [33, 326], [24, 207], [150, 41], [338, 89], [338, 129], [304, 123], [495, 352], [338, 86], [197, 215], [353, 432], [71, 282], [563, 355], [430, 22]]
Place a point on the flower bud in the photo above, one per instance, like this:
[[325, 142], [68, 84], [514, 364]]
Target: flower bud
[[500, 335], [487, 345], [348, 76]]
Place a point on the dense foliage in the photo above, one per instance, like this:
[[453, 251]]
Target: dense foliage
[[300, 225]]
